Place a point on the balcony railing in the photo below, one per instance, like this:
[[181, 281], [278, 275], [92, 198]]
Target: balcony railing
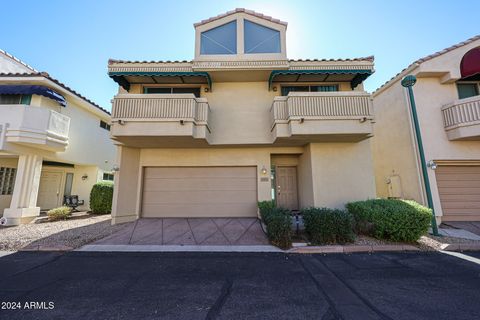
[[461, 119], [160, 115], [322, 113], [35, 126]]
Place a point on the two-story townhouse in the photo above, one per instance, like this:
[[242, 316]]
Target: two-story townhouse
[[240, 123], [53, 142], [447, 101]]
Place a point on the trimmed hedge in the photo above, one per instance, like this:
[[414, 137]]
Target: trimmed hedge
[[397, 220], [101, 198], [60, 213], [278, 222], [328, 226]]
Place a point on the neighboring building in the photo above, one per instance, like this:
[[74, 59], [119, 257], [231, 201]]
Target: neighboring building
[[448, 105], [53, 142], [240, 123]]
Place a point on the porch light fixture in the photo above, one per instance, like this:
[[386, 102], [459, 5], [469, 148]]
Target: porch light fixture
[[206, 89], [408, 82], [432, 165], [116, 168], [274, 89], [85, 177], [264, 170]]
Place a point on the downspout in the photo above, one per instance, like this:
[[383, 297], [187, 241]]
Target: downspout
[[408, 82]]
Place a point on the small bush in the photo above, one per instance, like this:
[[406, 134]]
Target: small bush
[[328, 226], [265, 208], [101, 198], [397, 220], [60, 213], [279, 227]]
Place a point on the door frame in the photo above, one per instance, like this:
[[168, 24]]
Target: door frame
[[274, 181], [63, 172]]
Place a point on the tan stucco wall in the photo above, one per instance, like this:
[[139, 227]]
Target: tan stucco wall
[[342, 172], [393, 145]]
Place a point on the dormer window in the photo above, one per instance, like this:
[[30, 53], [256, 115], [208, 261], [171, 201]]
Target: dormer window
[[220, 40], [261, 39]]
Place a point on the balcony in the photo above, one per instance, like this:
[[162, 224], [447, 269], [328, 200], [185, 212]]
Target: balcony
[[36, 127], [322, 117], [154, 120], [461, 119]]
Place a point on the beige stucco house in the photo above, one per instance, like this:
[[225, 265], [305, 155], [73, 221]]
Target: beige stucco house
[[53, 142], [448, 105], [240, 123]]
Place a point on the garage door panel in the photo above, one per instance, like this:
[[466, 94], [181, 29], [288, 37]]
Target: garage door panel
[[197, 197], [206, 210], [459, 191], [184, 184], [199, 192], [200, 172]]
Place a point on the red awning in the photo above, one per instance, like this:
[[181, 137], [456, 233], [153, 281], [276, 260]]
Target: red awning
[[470, 64]]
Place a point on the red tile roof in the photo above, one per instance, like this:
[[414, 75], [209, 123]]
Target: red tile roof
[[239, 10]]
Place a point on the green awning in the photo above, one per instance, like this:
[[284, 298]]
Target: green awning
[[355, 77], [125, 78]]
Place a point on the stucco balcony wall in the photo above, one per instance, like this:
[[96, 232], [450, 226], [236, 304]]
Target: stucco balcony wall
[[461, 119], [322, 116], [35, 126], [142, 119]]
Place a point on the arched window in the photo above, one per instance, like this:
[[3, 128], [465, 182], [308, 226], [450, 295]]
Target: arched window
[[260, 39], [469, 84], [220, 40]]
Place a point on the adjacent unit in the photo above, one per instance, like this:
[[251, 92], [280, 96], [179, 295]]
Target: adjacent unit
[[448, 107], [53, 142]]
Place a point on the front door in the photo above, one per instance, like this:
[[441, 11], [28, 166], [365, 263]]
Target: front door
[[286, 178], [49, 190]]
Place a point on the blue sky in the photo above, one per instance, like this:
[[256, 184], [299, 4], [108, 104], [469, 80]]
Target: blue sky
[[73, 40]]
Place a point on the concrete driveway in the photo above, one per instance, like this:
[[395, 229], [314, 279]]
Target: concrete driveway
[[183, 231]]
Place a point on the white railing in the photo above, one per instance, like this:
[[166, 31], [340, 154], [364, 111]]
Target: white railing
[[148, 107], [462, 112], [322, 105]]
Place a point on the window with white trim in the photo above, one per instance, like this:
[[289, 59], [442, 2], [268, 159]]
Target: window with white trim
[[107, 176], [7, 180]]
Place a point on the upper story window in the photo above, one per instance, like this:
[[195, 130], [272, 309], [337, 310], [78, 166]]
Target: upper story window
[[15, 98], [261, 39], [220, 40], [468, 89], [173, 90], [104, 125], [308, 88]]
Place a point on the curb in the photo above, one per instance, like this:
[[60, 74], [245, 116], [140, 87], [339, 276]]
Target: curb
[[58, 248], [460, 247], [353, 249]]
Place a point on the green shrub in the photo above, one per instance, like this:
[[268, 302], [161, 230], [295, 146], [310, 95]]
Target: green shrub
[[101, 197], [397, 220], [328, 226], [60, 213], [265, 208], [279, 227]]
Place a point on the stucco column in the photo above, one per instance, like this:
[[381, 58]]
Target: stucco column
[[23, 207]]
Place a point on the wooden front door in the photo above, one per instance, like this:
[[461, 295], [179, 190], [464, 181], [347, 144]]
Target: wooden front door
[[286, 179], [49, 190]]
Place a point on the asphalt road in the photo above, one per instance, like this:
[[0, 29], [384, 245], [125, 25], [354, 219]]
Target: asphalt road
[[238, 286]]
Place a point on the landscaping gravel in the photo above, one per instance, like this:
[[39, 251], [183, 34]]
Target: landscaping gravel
[[71, 233]]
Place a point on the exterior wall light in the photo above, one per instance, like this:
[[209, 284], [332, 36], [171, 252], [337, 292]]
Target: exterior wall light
[[206, 89], [85, 177], [408, 82], [264, 170], [432, 165], [116, 168], [274, 89]]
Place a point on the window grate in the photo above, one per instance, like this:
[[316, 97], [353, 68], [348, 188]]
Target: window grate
[[7, 180]]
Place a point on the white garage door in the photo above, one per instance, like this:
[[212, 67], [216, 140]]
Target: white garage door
[[459, 189], [199, 192]]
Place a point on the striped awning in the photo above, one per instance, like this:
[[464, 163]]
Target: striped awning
[[355, 77], [34, 89], [126, 78]]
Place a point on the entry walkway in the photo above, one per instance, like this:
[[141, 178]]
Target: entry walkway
[[187, 232]]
